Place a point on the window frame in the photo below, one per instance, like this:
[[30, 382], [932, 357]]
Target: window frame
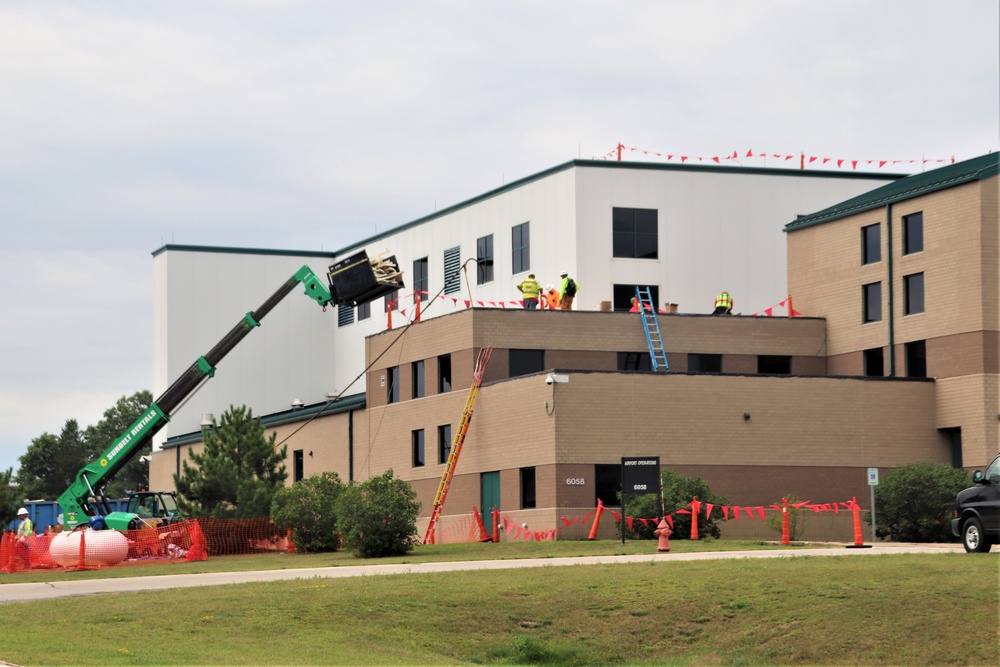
[[913, 294], [871, 248], [418, 379], [420, 280], [520, 244], [627, 235], [444, 443], [484, 259], [913, 233], [417, 448], [871, 302]]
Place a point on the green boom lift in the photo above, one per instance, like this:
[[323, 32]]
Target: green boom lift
[[352, 281]]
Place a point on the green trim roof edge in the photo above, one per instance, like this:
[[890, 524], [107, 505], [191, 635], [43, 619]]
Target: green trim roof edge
[[968, 171], [324, 409], [521, 182]]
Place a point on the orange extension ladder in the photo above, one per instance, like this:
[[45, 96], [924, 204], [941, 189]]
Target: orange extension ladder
[[457, 442]]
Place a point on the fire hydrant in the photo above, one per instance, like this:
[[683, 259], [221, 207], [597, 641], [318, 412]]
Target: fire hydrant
[[663, 534]]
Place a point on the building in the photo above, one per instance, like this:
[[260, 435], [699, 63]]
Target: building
[[757, 406], [908, 279]]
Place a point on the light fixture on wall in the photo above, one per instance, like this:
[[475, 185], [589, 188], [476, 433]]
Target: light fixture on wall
[[297, 404], [746, 416], [310, 452]]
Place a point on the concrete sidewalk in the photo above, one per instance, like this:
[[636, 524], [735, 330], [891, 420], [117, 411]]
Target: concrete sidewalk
[[64, 589]]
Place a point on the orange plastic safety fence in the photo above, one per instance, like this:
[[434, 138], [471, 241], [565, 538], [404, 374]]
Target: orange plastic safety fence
[[191, 540]]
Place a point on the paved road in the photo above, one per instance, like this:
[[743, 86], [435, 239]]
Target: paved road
[[65, 589]]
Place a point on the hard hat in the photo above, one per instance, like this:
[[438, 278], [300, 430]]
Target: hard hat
[[22, 511], [548, 288], [564, 273]]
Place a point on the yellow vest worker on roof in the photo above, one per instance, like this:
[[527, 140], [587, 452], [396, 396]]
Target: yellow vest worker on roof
[[530, 290], [723, 304]]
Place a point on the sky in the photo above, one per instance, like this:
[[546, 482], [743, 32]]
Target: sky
[[309, 126]]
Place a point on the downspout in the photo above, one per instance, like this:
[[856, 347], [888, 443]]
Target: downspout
[[892, 321], [350, 446]]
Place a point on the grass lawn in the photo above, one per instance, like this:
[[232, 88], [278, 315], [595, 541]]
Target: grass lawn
[[887, 609], [421, 554]]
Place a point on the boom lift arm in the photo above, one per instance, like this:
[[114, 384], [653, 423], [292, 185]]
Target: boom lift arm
[[351, 281]]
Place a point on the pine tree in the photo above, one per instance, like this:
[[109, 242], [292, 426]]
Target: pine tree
[[236, 474]]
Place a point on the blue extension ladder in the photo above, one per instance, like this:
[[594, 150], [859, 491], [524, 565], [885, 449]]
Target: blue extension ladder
[[647, 310]]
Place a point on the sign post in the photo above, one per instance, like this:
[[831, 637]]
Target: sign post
[[872, 483], [640, 474]]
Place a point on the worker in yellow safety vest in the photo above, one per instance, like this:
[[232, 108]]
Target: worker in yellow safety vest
[[529, 289], [723, 304]]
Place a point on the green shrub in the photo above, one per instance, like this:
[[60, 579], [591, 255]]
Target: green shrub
[[798, 518], [678, 490], [915, 502], [378, 517], [308, 508]]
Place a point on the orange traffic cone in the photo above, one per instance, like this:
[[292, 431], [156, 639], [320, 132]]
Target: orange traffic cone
[[597, 520], [859, 542], [785, 532], [695, 508]]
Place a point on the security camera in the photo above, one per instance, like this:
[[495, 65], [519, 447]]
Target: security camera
[[145, 459], [549, 379]]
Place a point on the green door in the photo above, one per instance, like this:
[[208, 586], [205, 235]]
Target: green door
[[489, 491]]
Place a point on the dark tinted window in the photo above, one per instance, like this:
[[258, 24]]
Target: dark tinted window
[[528, 500], [520, 248], [635, 233], [871, 296], [417, 442], [874, 362], [916, 359], [524, 362], [420, 279], [913, 233], [444, 373], [704, 363], [913, 287], [484, 260], [634, 361], [871, 244], [774, 364]]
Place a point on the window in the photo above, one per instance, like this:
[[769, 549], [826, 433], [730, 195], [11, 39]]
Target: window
[[913, 233], [704, 363], [871, 244], [874, 362], [871, 297], [452, 270], [774, 364], [391, 300], [417, 439], [634, 233], [913, 293], [417, 370], [345, 315], [634, 361], [484, 260], [916, 359], [528, 500], [420, 279], [520, 259], [444, 373], [525, 362], [297, 465], [364, 310], [392, 386], [444, 443], [623, 295]]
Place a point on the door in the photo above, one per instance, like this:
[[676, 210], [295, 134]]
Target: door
[[489, 492]]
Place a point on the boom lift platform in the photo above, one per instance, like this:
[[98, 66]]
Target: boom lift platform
[[457, 442], [354, 280]]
